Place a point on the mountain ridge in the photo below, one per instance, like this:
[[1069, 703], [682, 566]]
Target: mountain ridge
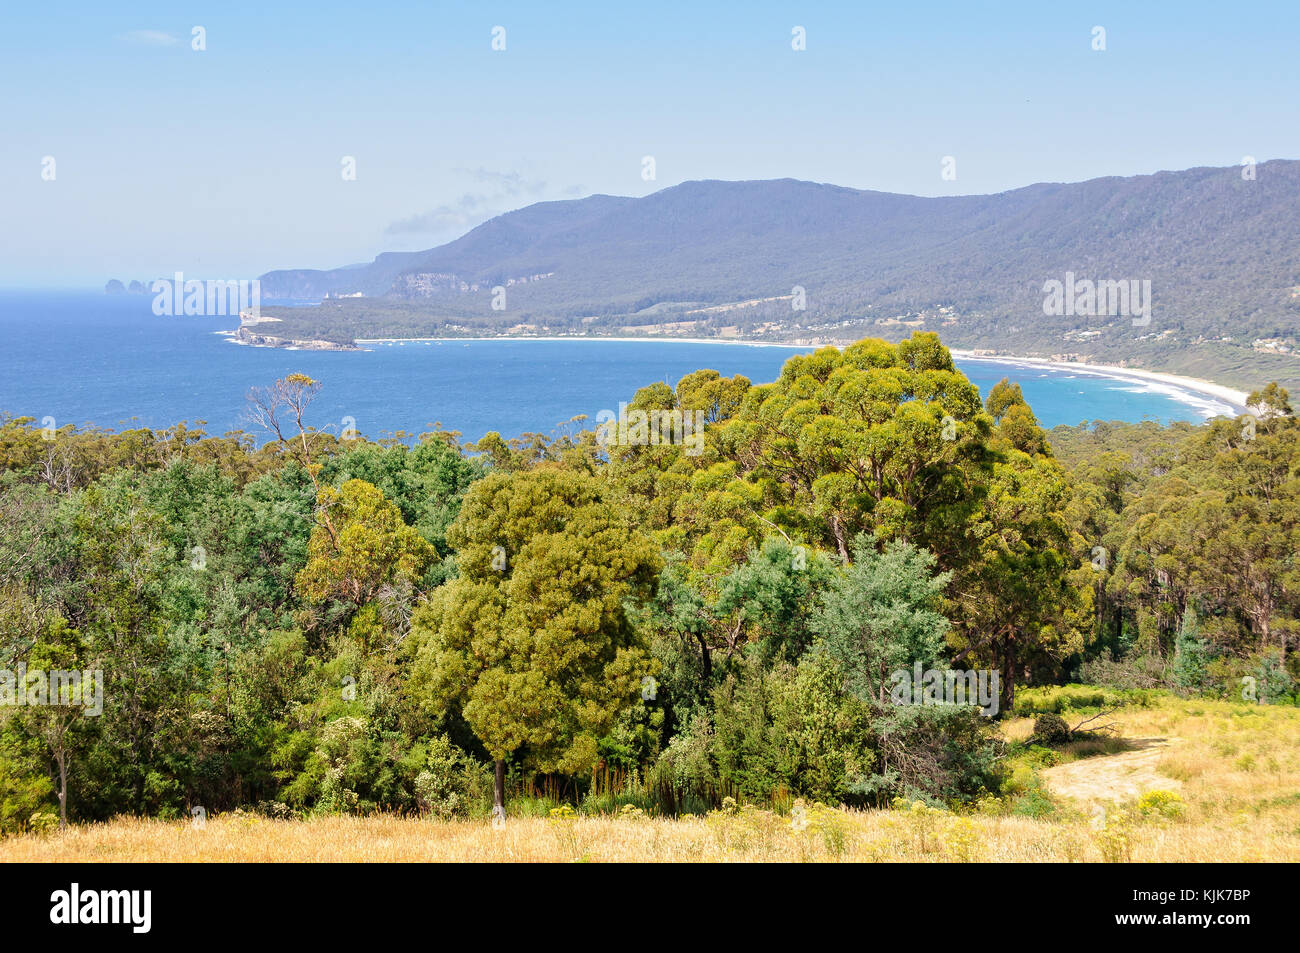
[[385, 260], [720, 258]]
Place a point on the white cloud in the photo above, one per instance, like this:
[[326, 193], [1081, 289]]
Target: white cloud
[[149, 38], [469, 210], [506, 190], [507, 183]]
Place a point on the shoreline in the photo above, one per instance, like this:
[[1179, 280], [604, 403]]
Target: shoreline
[[1219, 393], [1209, 398], [598, 337], [1217, 397]]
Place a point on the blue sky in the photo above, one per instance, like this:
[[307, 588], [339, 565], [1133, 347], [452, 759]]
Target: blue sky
[[226, 162]]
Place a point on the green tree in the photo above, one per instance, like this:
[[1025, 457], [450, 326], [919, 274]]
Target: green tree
[[881, 438], [59, 649], [370, 546], [767, 601], [1191, 655], [532, 643], [119, 564], [1002, 396], [1272, 400], [881, 615]]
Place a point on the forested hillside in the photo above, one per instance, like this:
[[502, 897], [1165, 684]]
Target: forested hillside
[[319, 625], [1217, 247]]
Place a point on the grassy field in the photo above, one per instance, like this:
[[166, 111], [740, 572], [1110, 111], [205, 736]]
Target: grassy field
[[1232, 773]]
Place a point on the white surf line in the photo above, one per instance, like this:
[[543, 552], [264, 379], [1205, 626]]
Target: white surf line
[[1207, 397]]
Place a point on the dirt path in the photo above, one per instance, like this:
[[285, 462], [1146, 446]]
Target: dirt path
[[1113, 777]]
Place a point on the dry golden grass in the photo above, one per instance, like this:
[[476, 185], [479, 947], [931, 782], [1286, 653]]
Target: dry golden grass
[[864, 836], [1237, 769], [1228, 761]]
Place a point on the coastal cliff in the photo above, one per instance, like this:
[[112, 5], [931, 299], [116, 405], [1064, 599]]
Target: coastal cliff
[[244, 335]]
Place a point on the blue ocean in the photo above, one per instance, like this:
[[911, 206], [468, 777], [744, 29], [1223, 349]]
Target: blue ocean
[[90, 358]]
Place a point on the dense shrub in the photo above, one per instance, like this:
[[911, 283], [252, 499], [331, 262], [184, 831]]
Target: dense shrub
[[1056, 699], [452, 784], [1051, 729]]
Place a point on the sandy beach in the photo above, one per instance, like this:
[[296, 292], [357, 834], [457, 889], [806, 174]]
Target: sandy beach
[[1231, 400]]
